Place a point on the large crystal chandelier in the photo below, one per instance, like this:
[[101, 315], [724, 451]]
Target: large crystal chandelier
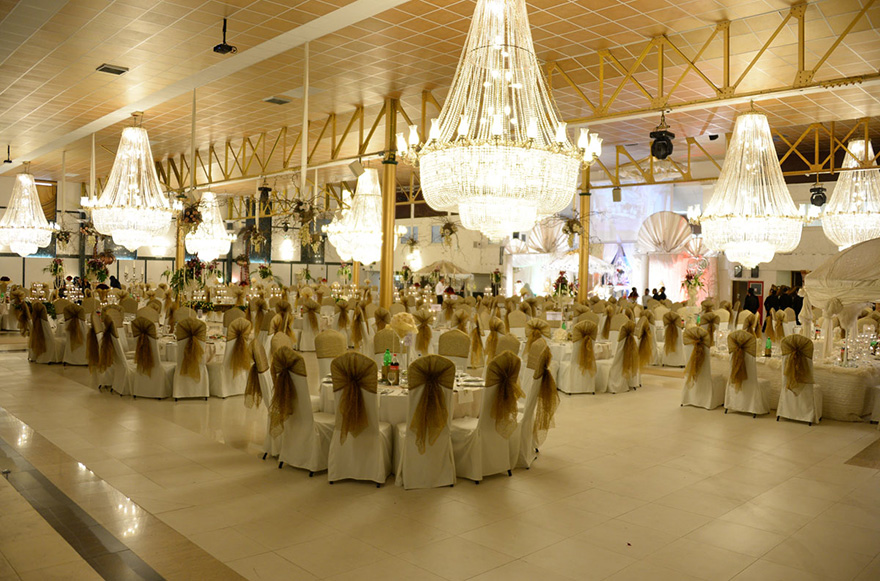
[[499, 153], [751, 215], [24, 228], [357, 233], [210, 239], [853, 213], [132, 208]]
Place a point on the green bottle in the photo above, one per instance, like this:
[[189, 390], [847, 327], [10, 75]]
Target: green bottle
[[768, 347], [386, 360]]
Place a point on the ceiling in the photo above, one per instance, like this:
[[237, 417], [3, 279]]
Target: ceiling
[[362, 51]]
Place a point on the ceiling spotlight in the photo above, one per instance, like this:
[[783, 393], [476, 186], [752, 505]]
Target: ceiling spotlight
[[661, 147], [713, 137], [224, 48], [817, 196]]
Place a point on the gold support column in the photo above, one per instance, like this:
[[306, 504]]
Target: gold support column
[[584, 247], [389, 201], [180, 254], [356, 273]]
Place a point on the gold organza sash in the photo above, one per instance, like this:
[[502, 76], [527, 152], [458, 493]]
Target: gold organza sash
[[626, 335], [253, 393], [423, 318], [739, 343], [258, 309], [73, 314], [606, 326], [699, 338], [310, 312], [24, 318], [284, 362], [496, 326], [386, 339], [645, 335], [240, 359], [37, 341], [382, 318], [476, 351], [752, 325], [143, 330], [238, 293], [155, 304], [771, 331], [671, 322], [454, 343], [503, 372], [194, 333], [93, 349], [778, 323], [431, 415], [797, 370], [535, 329], [329, 343], [459, 320], [353, 373], [586, 332], [711, 321], [648, 315], [708, 305], [448, 310], [357, 327], [105, 357], [548, 397], [342, 312]]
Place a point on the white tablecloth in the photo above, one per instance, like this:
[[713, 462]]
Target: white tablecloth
[[847, 392]]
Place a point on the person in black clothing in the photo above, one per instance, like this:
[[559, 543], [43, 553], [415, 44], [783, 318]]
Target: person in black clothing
[[785, 299], [654, 295], [770, 303], [634, 294], [751, 303], [662, 295], [114, 282]]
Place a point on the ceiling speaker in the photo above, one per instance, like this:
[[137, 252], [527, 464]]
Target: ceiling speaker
[[357, 168]]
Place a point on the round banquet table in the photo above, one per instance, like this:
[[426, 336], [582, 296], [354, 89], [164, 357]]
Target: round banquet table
[[394, 401], [847, 392]]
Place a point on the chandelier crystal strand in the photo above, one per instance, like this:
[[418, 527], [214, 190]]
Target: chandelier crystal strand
[[852, 215], [210, 239], [499, 153], [357, 235], [24, 228], [132, 208], [751, 216]]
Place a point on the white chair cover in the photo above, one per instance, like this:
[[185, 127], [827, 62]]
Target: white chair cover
[[804, 402], [705, 391], [752, 397], [51, 355], [224, 381], [75, 356], [185, 386], [158, 383]]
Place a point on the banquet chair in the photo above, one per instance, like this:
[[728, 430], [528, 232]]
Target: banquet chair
[[60, 305], [617, 321], [361, 445], [386, 339], [183, 313], [231, 315], [672, 354], [423, 455], [117, 315], [113, 353], [741, 319], [149, 313], [342, 320], [410, 304], [305, 435], [508, 342], [701, 388], [381, 319], [591, 317], [745, 392], [358, 330], [89, 305], [151, 377], [800, 398], [328, 307], [129, 305], [598, 307], [259, 390], [229, 376], [329, 344], [583, 376], [424, 320], [273, 301], [531, 358], [623, 369], [311, 325], [370, 312], [75, 331], [99, 376], [396, 308], [481, 446], [191, 373], [517, 323], [536, 417], [535, 329], [42, 347], [455, 346], [790, 320]]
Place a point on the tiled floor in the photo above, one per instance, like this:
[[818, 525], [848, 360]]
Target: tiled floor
[[628, 486]]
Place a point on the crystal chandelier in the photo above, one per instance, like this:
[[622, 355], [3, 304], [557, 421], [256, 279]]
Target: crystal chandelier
[[499, 153], [132, 208], [852, 215], [210, 239], [751, 215], [357, 233], [24, 228]]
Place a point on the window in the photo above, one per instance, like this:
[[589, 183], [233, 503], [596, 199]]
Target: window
[[411, 232], [435, 235]]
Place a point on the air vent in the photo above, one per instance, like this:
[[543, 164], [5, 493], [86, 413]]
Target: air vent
[[112, 69], [277, 100]]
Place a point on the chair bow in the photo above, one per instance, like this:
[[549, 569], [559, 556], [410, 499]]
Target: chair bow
[[645, 335], [382, 318], [143, 330], [535, 329], [476, 344], [672, 324], [626, 334], [310, 311], [496, 326], [253, 394], [700, 339], [708, 305], [431, 415], [579, 309], [329, 343], [353, 373], [37, 341], [239, 331], [503, 372], [258, 309], [739, 343], [586, 332], [105, 357], [93, 349], [711, 321], [423, 319], [194, 332], [284, 362], [357, 327], [779, 324], [606, 326], [342, 312], [73, 314], [448, 309], [797, 369], [548, 397], [649, 315]]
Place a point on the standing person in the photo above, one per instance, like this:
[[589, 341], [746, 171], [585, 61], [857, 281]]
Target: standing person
[[785, 298], [771, 303], [646, 297], [751, 302], [797, 303], [438, 290], [654, 295], [633, 294], [661, 296]]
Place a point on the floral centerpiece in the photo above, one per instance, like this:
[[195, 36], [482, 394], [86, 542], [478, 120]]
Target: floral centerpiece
[[345, 271], [204, 306], [264, 271], [434, 277], [692, 284], [406, 274], [55, 268], [191, 217], [96, 268], [561, 286], [496, 276], [571, 227]]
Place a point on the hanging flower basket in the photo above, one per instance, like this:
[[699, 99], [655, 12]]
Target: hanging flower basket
[[191, 217]]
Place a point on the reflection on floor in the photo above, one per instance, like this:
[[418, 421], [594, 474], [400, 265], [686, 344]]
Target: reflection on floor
[[628, 486]]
